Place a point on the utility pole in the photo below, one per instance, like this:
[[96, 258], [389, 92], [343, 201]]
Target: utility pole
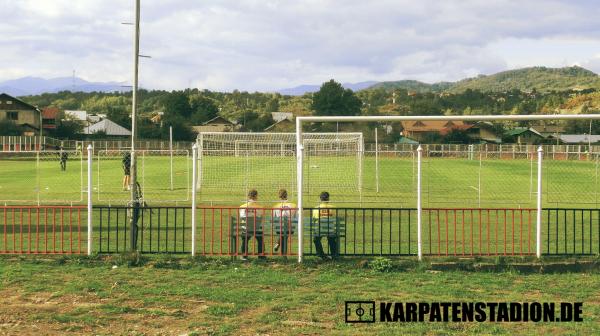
[[133, 180]]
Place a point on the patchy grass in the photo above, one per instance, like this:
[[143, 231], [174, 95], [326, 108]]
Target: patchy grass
[[218, 297]]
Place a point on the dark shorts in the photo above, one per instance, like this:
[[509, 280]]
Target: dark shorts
[[127, 170]]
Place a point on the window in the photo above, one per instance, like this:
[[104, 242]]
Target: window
[[12, 115], [9, 102]]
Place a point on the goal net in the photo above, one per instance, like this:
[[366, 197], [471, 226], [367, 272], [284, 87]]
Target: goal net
[[231, 163]]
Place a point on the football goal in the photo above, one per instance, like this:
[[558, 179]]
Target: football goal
[[231, 163]]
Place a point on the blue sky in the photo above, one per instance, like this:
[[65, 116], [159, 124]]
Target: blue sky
[[266, 45]]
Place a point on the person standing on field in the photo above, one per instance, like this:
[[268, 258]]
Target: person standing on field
[[64, 156], [126, 162]]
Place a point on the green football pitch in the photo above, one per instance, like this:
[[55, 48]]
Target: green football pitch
[[447, 182]]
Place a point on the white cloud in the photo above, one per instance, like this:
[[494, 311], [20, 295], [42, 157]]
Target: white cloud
[[268, 44]]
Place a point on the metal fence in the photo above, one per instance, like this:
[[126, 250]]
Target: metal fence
[[481, 232], [366, 231], [41, 143], [159, 230], [571, 231], [235, 232], [43, 230]]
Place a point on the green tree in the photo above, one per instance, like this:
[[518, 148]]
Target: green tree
[[272, 105], [181, 129], [176, 103], [254, 122], [68, 129], [332, 99], [203, 108]]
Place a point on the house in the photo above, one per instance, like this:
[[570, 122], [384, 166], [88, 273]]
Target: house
[[574, 139], [282, 126], [27, 116], [107, 127], [484, 132], [547, 130], [279, 116], [50, 118], [216, 124], [523, 135], [422, 130], [81, 116]]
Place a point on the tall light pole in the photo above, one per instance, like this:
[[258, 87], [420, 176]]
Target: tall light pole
[[133, 179]]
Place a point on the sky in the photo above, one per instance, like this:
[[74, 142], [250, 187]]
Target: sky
[[265, 45]]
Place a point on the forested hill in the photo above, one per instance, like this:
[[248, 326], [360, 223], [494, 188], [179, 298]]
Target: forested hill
[[541, 79], [413, 85]]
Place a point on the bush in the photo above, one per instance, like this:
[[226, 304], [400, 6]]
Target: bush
[[381, 264]]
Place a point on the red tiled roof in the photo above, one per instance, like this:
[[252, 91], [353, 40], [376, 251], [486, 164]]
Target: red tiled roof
[[50, 113]]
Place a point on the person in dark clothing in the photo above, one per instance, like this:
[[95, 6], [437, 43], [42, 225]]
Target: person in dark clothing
[[126, 161], [64, 156]]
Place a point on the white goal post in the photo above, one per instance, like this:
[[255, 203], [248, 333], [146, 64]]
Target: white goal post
[[301, 149]]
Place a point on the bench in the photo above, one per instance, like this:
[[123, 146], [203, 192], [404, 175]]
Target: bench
[[284, 227]]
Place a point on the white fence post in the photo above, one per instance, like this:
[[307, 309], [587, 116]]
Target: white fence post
[[194, 187], [171, 152], [299, 181], [89, 199], [419, 206], [538, 232], [376, 161]]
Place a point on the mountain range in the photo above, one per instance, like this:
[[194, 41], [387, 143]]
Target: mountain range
[[302, 89], [35, 85], [542, 79]]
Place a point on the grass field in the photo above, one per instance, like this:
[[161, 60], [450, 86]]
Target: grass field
[[163, 295], [214, 297], [447, 182]]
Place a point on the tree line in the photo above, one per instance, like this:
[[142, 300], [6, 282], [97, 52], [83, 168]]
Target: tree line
[[252, 111]]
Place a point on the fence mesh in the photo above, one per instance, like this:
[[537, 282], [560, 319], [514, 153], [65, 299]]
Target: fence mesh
[[572, 181], [45, 177], [163, 175]]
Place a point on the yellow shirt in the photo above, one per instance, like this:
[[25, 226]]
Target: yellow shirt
[[250, 204], [323, 211], [281, 209]]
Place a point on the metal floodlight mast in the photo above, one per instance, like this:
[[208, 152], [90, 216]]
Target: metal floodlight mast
[[300, 148], [133, 172]]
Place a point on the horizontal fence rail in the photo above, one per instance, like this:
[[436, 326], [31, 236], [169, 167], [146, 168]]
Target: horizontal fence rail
[[43, 230]]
